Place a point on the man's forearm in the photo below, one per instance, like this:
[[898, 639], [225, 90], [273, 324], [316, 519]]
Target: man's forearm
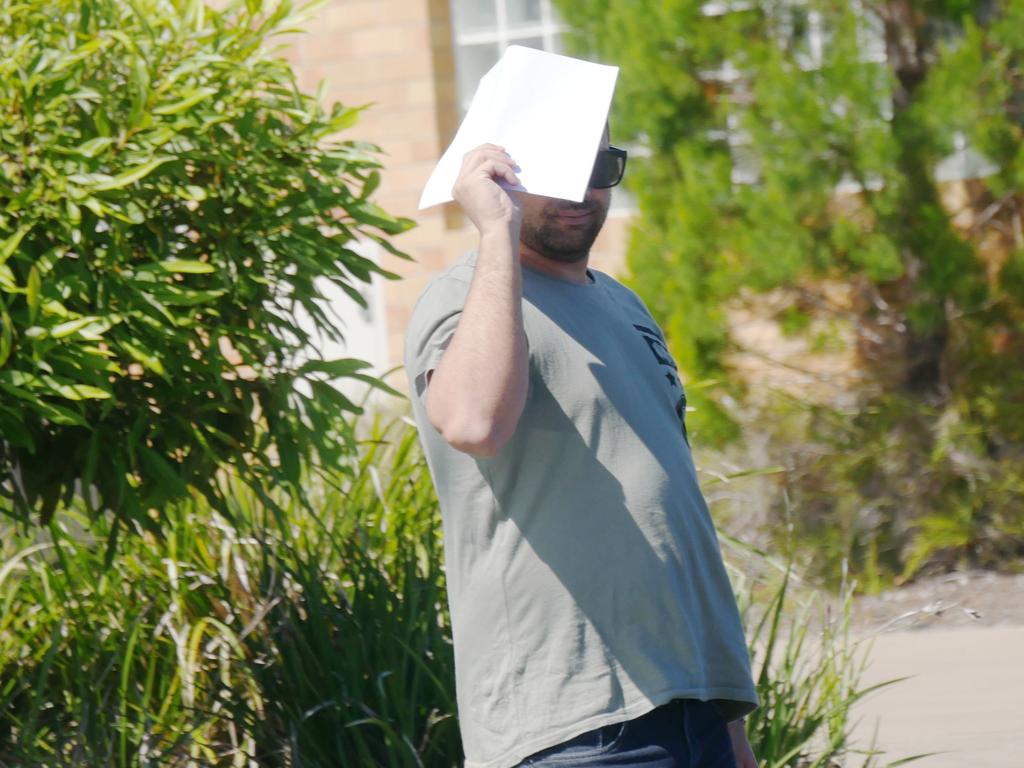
[[477, 393]]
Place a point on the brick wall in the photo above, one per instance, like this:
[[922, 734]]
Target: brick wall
[[397, 55]]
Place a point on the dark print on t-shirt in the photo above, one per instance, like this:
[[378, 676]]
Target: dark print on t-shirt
[[656, 344]]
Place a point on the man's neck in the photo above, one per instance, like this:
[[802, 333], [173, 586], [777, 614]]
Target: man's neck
[[570, 271]]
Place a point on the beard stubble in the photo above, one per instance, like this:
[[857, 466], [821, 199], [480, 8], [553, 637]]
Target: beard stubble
[[555, 240]]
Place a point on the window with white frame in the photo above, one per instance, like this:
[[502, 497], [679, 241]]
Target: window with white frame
[[484, 28], [801, 30]]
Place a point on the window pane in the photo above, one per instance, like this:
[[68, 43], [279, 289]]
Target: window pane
[[528, 42], [475, 15], [472, 63], [523, 12], [872, 37]]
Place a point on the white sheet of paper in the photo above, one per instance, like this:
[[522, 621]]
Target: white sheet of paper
[[547, 110]]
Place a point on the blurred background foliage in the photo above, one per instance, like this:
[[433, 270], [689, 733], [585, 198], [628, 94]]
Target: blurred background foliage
[[284, 634], [830, 200], [171, 210]]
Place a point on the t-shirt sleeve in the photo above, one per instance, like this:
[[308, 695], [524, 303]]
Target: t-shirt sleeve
[[431, 329]]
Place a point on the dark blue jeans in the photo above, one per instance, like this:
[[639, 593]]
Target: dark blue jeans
[[684, 733]]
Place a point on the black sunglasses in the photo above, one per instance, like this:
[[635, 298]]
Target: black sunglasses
[[609, 166]]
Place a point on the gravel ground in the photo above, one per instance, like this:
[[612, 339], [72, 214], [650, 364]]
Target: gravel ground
[[967, 598]]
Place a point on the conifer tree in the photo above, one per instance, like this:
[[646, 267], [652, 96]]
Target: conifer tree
[[792, 142]]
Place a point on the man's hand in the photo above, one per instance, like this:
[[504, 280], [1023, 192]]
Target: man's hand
[[741, 750], [486, 204]]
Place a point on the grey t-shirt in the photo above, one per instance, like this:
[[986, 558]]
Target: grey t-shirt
[[585, 581]]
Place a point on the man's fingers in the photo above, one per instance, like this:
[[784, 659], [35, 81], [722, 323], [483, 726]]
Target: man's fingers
[[488, 148], [492, 160], [500, 170], [489, 163], [483, 154]]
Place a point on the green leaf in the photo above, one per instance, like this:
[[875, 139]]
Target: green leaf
[[8, 246], [173, 296], [376, 383], [88, 179], [71, 326], [373, 214], [100, 325], [140, 88], [145, 359], [191, 100], [188, 267], [73, 390], [333, 368], [94, 146], [288, 454], [54, 413], [191, 192], [325, 393], [96, 206], [81, 392], [180, 266], [74, 212], [84, 359], [371, 184], [159, 136], [81, 52], [13, 430], [158, 468], [32, 293], [132, 175], [7, 279], [6, 335]]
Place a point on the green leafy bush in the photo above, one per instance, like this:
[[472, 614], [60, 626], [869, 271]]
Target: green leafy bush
[[170, 206], [280, 637], [903, 488]]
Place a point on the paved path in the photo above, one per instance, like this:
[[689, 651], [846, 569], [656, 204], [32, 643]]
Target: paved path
[[965, 697]]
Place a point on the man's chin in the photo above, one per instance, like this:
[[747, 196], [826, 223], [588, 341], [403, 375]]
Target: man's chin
[[564, 257], [565, 250]]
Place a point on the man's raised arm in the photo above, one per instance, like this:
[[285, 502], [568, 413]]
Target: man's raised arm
[[477, 392]]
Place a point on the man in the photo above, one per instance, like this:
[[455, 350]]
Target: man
[[593, 621]]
